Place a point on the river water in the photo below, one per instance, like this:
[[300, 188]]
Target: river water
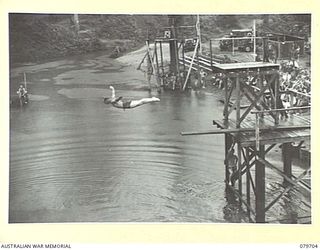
[[75, 159]]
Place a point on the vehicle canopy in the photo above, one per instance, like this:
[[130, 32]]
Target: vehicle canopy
[[241, 32]]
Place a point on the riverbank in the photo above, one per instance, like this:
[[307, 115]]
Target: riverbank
[[37, 37]]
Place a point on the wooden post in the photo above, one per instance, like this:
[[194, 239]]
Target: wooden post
[[178, 76], [232, 46], [183, 58], [238, 101], [239, 172], [260, 85], [25, 80], [260, 187], [198, 68], [191, 63], [157, 64], [276, 97], [291, 99], [173, 55], [265, 49], [257, 130], [199, 33], [149, 66], [226, 103], [248, 180], [227, 139], [161, 59], [279, 48], [76, 23], [254, 41], [211, 53], [287, 161]]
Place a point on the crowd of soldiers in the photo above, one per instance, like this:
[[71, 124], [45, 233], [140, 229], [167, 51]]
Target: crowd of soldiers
[[295, 84], [297, 81]]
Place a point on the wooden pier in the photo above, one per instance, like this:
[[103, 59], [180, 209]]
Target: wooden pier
[[253, 124], [252, 133]]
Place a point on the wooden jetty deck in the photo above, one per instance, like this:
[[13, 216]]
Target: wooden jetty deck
[[212, 66], [252, 132], [268, 132]]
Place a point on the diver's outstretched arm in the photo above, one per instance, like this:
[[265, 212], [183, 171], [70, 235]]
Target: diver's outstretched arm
[[113, 95]]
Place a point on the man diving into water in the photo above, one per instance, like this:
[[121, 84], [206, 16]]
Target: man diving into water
[[119, 103]]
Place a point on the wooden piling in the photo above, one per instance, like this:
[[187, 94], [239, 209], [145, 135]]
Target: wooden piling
[[239, 172], [227, 144], [287, 161], [226, 103], [260, 187], [161, 61], [178, 76], [157, 63], [211, 53], [198, 68], [183, 58], [237, 101], [248, 179], [276, 98]]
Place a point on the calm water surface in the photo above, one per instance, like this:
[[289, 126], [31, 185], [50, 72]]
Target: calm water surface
[[75, 159]]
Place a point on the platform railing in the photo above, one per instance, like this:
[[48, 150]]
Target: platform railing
[[277, 111]]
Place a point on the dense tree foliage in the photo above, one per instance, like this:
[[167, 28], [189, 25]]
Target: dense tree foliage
[[43, 36]]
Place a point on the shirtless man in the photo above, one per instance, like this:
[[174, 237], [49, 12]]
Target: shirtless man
[[232, 161], [119, 103]]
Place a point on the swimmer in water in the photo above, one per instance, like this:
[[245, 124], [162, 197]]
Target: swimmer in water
[[128, 104]]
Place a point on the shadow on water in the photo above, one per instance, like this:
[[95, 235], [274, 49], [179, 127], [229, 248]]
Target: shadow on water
[[233, 212]]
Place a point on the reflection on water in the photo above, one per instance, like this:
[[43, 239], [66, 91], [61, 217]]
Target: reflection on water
[[75, 159]]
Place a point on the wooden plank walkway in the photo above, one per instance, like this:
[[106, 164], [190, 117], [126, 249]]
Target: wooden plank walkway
[[269, 136], [205, 64]]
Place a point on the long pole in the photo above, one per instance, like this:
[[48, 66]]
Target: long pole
[[254, 40], [161, 59], [199, 33], [76, 23], [260, 187], [211, 53], [153, 67], [238, 90], [237, 130], [157, 64], [25, 80], [191, 63], [178, 78], [149, 66], [227, 144], [239, 172], [248, 179], [287, 161], [232, 46]]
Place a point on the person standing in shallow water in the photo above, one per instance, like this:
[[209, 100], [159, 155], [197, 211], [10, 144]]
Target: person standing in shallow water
[[118, 102], [232, 161]]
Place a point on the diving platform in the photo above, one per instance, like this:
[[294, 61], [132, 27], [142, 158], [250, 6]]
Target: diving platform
[[252, 123], [251, 132], [211, 66], [295, 128]]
